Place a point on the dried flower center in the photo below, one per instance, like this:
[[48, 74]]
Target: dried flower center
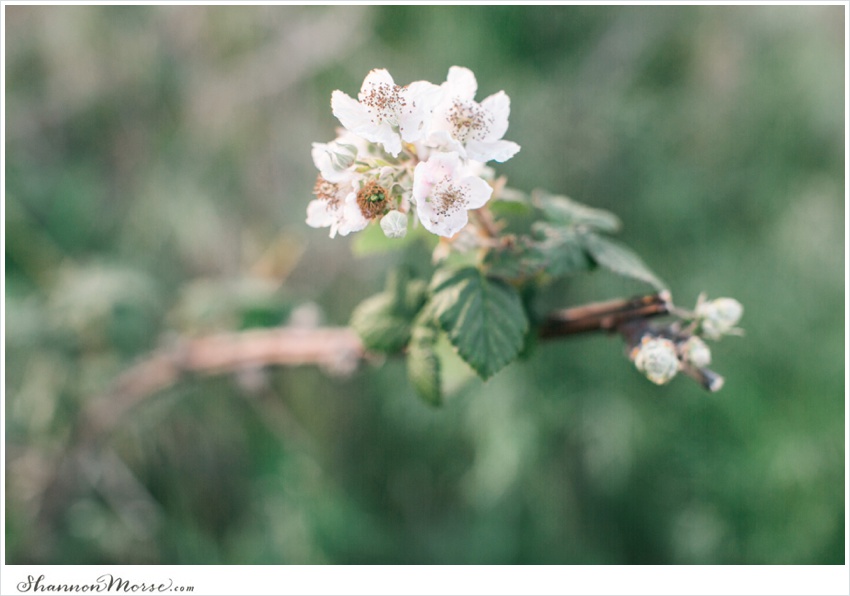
[[327, 191], [469, 120], [386, 102], [372, 199]]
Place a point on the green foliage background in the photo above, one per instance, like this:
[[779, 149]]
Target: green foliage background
[[157, 174]]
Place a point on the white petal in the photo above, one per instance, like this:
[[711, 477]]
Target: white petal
[[461, 83], [352, 219], [499, 107], [319, 216], [442, 139], [358, 119], [414, 119], [478, 192], [386, 136], [376, 76], [497, 150], [352, 114]]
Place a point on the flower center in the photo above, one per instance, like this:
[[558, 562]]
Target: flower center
[[448, 198], [386, 102], [372, 199], [327, 191], [468, 119]]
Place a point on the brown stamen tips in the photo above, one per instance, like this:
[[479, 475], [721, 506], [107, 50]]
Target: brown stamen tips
[[325, 190], [372, 199]]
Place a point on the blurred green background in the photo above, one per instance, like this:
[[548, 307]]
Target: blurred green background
[[157, 174]]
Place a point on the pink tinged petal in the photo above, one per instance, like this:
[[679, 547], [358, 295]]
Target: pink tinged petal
[[422, 182], [499, 107], [461, 83], [443, 225], [497, 150], [428, 173]]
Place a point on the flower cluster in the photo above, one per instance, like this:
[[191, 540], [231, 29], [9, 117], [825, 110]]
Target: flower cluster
[[661, 354], [416, 149]]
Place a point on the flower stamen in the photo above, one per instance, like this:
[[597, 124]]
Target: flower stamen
[[372, 199]]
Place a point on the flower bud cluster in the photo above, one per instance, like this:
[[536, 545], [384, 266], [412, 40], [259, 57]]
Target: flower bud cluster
[[415, 152], [661, 354], [718, 317]]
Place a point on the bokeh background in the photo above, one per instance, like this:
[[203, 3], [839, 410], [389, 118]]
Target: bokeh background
[[157, 174]]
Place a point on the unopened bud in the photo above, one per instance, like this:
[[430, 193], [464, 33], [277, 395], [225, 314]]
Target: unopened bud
[[333, 159], [394, 224], [718, 317], [656, 358], [695, 351]]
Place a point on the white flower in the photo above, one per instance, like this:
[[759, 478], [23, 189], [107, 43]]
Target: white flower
[[718, 317], [387, 113], [695, 351], [656, 358], [473, 130], [443, 193], [394, 224], [335, 206]]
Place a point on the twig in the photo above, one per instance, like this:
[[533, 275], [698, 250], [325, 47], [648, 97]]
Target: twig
[[337, 349], [604, 316]]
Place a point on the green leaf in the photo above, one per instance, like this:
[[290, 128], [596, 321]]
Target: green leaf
[[619, 259], [483, 318], [520, 261], [423, 365], [565, 211], [383, 321], [513, 211], [380, 326], [562, 249]]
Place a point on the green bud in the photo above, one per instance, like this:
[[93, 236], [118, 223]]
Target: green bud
[[394, 224]]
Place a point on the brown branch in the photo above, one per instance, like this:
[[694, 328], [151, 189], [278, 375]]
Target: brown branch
[[337, 349], [604, 316]]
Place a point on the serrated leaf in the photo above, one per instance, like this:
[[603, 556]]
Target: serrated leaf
[[620, 259], [423, 365], [383, 321], [565, 211], [483, 318]]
